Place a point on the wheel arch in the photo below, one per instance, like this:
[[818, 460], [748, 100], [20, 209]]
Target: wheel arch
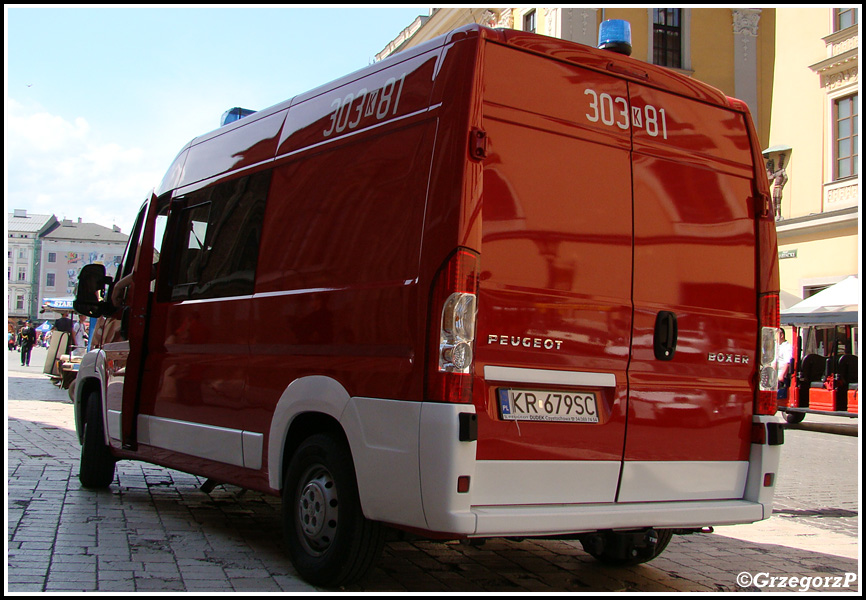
[[90, 378], [308, 405], [82, 392], [305, 425], [382, 437]]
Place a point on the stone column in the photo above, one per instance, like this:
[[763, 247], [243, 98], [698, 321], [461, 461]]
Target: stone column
[[578, 25], [746, 57]]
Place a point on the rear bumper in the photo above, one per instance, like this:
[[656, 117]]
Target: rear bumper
[[409, 460], [540, 520]]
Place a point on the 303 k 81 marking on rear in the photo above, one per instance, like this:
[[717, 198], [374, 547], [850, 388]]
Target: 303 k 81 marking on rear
[[611, 111]]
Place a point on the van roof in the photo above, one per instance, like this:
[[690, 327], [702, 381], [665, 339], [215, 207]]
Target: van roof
[[586, 57], [558, 49]]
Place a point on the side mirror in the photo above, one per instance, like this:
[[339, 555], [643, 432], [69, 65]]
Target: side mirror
[[90, 292]]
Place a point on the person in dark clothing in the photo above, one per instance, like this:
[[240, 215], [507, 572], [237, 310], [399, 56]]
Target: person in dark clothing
[[28, 340], [64, 324]]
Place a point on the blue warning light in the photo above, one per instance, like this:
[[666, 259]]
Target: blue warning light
[[615, 35]]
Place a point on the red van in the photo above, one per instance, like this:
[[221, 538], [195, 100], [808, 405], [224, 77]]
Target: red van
[[496, 285]]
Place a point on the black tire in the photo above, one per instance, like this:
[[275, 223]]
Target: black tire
[[96, 468], [794, 417], [329, 540], [641, 555]]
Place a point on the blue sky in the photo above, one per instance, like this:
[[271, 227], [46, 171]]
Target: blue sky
[[100, 100]]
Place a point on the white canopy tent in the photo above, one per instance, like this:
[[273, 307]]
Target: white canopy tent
[[839, 304]]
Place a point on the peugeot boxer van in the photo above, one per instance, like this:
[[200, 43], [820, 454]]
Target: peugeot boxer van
[[498, 284]]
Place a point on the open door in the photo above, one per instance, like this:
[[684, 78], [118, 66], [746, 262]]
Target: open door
[[125, 353]]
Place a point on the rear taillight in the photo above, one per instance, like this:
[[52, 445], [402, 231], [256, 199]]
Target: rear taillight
[[453, 307], [768, 380]]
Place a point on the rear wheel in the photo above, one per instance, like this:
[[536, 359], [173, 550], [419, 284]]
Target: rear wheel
[[329, 540], [627, 548], [96, 467]]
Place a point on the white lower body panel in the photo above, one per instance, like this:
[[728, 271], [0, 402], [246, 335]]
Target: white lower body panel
[[658, 481], [580, 482], [544, 482], [220, 444]]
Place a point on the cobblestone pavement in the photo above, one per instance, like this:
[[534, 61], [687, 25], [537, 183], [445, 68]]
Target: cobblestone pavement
[[819, 479], [154, 530]]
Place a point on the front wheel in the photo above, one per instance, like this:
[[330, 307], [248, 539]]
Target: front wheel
[[329, 540], [96, 468]]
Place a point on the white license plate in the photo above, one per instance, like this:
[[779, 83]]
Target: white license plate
[[542, 405]]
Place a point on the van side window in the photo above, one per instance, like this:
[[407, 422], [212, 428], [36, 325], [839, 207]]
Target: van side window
[[215, 242], [128, 261], [193, 232], [159, 235]]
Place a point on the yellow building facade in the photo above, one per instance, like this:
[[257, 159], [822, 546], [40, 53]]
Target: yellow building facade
[[796, 68], [814, 146]]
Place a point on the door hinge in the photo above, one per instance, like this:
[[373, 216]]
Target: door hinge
[[764, 206], [478, 143]]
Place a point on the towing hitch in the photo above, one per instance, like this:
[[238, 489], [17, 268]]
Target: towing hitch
[[620, 545], [626, 547]]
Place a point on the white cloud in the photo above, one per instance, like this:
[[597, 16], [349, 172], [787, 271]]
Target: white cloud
[[60, 166], [42, 131]]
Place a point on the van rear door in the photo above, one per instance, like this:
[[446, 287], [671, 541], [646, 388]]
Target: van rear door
[[555, 314], [658, 365], [691, 397]]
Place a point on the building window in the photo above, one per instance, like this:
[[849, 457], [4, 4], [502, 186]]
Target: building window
[[19, 302], [667, 37], [529, 21], [845, 132], [52, 257], [22, 274], [49, 280], [843, 18]]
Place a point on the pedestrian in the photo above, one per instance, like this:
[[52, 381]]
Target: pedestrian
[[28, 339], [784, 357], [79, 332], [64, 325]]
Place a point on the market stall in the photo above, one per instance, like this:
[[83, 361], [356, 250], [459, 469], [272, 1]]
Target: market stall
[[825, 345]]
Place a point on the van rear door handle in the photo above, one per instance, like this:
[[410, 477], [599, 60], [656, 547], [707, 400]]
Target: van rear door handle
[[665, 337]]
